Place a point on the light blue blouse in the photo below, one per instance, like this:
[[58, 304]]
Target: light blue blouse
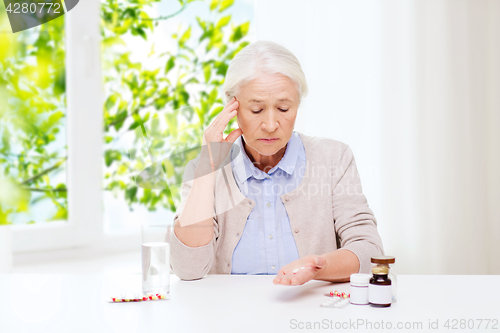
[[267, 242]]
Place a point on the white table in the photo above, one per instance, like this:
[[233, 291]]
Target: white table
[[225, 303]]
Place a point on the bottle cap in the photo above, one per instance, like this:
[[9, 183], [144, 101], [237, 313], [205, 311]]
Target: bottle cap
[[360, 279], [385, 260]]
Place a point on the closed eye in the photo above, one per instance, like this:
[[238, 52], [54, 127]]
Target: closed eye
[[256, 111], [283, 110]]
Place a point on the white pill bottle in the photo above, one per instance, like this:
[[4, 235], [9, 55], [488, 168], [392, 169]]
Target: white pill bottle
[[359, 288]]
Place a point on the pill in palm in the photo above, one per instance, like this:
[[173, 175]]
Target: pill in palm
[[297, 269]]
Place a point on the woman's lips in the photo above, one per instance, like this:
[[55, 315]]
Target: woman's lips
[[269, 140]]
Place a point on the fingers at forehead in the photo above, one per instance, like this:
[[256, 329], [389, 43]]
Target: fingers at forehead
[[230, 107], [227, 115], [227, 109], [223, 119]]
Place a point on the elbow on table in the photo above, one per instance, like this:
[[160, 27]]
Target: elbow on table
[[190, 263], [188, 275], [189, 270]]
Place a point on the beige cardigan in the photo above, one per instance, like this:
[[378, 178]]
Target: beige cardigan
[[327, 211]]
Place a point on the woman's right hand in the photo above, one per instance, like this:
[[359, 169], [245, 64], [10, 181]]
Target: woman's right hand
[[215, 147]]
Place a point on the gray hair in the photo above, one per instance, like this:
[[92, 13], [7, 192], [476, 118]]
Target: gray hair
[[263, 57]]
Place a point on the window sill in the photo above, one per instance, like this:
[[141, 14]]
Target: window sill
[[107, 245]]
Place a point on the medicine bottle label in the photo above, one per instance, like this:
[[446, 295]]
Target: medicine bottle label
[[379, 294], [359, 295]]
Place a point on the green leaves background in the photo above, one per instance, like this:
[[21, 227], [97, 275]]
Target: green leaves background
[[33, 107]]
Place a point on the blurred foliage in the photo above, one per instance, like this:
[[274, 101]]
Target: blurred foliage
[[12, 198], [33, 108], [32, 112], [191, 74]]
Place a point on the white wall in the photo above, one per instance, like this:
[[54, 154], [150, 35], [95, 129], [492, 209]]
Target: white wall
[[413, 87]]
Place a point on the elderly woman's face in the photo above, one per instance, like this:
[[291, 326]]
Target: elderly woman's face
[[267, 112]]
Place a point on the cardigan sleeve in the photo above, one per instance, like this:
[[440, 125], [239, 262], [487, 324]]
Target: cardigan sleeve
[[355, 224], [190, 263]]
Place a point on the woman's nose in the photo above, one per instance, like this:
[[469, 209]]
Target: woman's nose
[[270, 124]]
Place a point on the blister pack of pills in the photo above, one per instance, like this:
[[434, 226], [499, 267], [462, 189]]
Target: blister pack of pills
[[136, 297], [335, 302]]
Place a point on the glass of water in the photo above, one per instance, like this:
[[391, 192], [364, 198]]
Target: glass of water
[[155, 258]]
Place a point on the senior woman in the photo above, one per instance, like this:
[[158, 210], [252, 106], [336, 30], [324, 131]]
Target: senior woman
[[288, 204]]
